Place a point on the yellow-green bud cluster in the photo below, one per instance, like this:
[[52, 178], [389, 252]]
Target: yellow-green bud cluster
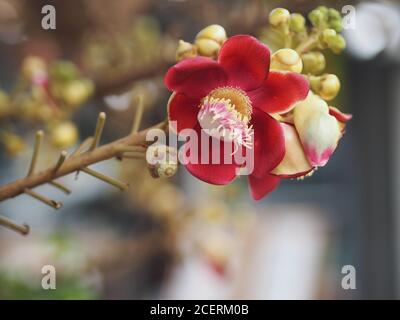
[[322, 18], [333, 40], [207, 43]]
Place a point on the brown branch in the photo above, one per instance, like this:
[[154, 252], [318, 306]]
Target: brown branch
[[73, 164]]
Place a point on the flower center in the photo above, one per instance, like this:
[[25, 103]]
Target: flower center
[[225, 114]]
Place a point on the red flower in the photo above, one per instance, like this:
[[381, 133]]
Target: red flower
[[237, 93]]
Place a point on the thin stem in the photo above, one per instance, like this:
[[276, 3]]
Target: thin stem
[[138, 114], [8, 223], [114, 182], [99, 130], [60, 187], [76, 163], [61, 160], [85, 144], [308, 45], [287, 36], [36, 149], [49, 202], [134, 155], [130, 149]]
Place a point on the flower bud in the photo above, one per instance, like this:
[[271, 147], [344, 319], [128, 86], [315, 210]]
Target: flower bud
[[213, 32], [324, 10], [77, 92], [336, 25], [64, 135], [335, 20], [317, 17], [313, 62], [297, 22], [207, 47], [333, 41], [162, 161], [319, 131], [286, 60], [326, 86], [185, 50], [279, 16], [210, 39], [328, 35], [338, 44]]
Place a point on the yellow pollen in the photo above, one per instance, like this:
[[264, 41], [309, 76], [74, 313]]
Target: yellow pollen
[[239, 102]]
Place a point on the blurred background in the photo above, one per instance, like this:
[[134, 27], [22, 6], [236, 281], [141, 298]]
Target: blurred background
[[181, 238]]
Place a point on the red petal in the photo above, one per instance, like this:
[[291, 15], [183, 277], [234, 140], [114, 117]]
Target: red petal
[[183, 110], [260, 187], [219, 174], [269, 143], [340, 116], [246, 61], [279, 92], [195, 77]]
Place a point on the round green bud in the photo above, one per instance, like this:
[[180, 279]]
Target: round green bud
[[297, 22], [338, 44], [279, 16], [336, 25], [335, 20], [328, 36], [313, 62], [323, 9], [317, 18], [334, 14]]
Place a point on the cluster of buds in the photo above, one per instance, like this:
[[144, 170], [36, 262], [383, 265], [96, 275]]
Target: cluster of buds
[[45, 94], [207, 43], [299, 47]]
